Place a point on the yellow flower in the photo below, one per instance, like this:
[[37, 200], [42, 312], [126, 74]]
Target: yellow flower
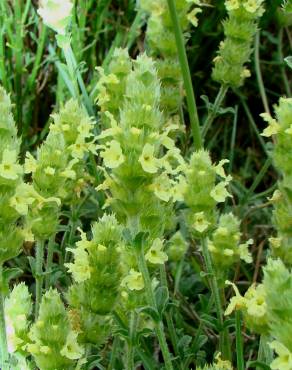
[[147, 160], [284, 359], [80, 269], [113, 155], [231, 4], [289, 130], [72, 349], [155, 254], [30, 164], [162, 187], [252, 5], [22, 198], [192, 16], [219, 193], [200, 224], [133, 281], [236, 302], [9, 169], [273, 127], [256, 301], [179, 189], [244, 252], [50, 171], [219, 168], [56, 14], [84, 128]]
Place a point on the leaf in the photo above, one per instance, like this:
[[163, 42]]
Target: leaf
[[262, 365], [162, 297], [150, 312], [288, 60]]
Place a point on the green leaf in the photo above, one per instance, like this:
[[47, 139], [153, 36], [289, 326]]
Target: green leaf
[[147, 310], [288, 60], [262, 365], [162, 297]]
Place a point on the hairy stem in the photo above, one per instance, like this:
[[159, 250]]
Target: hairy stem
[[39, 275], [159, 327], [50, 253], [223, 340], [3, 339], [214, 111], [131, 343], [239, 344]]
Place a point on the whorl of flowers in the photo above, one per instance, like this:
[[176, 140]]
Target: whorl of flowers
[[281, 128], [58, 171], [97, 275], [253, 306], [54, 346], [202, 192], [140, 159], [224, 244], [278, 287], [160, 43], [235, 50], [11, 177], [18, 307]]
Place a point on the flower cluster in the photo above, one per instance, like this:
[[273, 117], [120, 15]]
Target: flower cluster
[[11, 177], [58, 173], [235, 50], [224, 244], [281, 127], [278, 287], [54, 346], [141, 161], [201, 193], [161, 45], [18, 307], [97, 274], [253, 306]]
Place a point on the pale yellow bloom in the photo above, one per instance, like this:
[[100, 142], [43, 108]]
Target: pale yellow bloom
[[56, 14], [231, 4], [220, 169], [133, 281], [30, 164], [72, 349], [236, 302], [220, 193], [113, 155], [147, 160], [80, 269], [155, 254], [200, 223], [9, 169], [273, 127], [192, 16], [22, 198], [284, 359]]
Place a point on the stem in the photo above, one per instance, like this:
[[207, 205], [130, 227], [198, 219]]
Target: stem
[[259, 73], [282, 65], [223, 340], [50, 254], [152, 302], [131, 344], [239, 344], [115, 347], [3, 339], [183, 60], [265, 353], [39, 275], [257, 180], [213, 112]]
